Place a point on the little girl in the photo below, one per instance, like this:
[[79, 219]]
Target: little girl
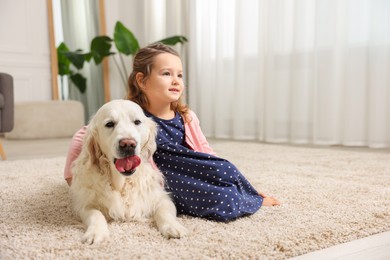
[[201, 184]]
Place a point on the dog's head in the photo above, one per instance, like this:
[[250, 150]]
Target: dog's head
[[120, 133]]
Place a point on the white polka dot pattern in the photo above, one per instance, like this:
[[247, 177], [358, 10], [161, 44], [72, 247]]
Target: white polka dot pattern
[[201, 184]]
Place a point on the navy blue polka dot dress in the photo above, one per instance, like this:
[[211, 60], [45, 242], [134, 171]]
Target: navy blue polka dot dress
[[201, 184]]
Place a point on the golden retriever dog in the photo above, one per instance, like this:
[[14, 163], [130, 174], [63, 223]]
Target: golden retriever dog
[[113, 177]]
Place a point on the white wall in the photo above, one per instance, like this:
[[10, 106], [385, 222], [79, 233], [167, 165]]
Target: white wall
[[24, 48]]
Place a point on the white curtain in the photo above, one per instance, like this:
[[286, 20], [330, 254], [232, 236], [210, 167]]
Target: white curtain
[[292, 71], [80, 22]]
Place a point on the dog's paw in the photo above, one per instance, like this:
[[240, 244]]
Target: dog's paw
[[117, 214], [173, 230], [95, 235]]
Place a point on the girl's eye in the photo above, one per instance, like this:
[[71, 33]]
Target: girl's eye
[[166, 73], [110, 124], [137, 122], [180, 76]]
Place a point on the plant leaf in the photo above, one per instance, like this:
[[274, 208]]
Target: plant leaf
[[63, 61], [88, 56], [76, 58], [100, 48], [174, 40], [79, 81], [125, 40]]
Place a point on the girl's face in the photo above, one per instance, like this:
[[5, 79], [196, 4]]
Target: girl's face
[[165, 82]]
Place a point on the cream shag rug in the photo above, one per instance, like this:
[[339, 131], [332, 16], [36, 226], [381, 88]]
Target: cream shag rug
[[329, 196]]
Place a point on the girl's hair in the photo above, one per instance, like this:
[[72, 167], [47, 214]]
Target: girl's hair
[[143, 62]]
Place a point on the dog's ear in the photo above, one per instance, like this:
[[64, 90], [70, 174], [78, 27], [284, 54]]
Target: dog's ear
[[150, 146], [92, 148]]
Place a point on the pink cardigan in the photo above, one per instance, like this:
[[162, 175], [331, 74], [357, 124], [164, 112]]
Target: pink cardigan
[[194, 137]]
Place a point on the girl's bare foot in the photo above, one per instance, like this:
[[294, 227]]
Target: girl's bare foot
[[268, 200]]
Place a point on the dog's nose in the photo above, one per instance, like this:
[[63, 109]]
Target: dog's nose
[[127, 145]]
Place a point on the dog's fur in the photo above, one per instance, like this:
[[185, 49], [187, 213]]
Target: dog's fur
[[99, 192]]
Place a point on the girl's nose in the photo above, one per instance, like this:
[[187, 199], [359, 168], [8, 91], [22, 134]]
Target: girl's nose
[[175, 81]]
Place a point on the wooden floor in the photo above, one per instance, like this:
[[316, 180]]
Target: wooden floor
[[376, 247]]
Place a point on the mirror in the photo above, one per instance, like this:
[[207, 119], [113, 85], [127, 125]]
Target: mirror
[[76, 22]]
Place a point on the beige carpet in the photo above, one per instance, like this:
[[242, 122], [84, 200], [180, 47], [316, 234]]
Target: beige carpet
[[329, 196]]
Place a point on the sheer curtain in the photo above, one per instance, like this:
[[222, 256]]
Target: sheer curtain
[[297, 71], [80, 24]]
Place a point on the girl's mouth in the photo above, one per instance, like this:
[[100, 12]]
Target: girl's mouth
[[174, 90]]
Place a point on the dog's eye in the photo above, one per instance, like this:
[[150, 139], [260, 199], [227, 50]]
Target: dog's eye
[[110, 124], [137, 122]]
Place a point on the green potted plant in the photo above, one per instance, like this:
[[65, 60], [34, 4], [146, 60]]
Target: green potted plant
[[100, 48]]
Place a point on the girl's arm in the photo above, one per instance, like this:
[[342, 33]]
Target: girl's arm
[[195, 137], [73, 152]]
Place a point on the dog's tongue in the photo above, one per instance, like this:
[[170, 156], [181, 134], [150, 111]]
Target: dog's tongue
[[127, 164]]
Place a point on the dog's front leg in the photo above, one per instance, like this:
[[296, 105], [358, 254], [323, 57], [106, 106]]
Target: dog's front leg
[[97, 229], [166, 221]]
